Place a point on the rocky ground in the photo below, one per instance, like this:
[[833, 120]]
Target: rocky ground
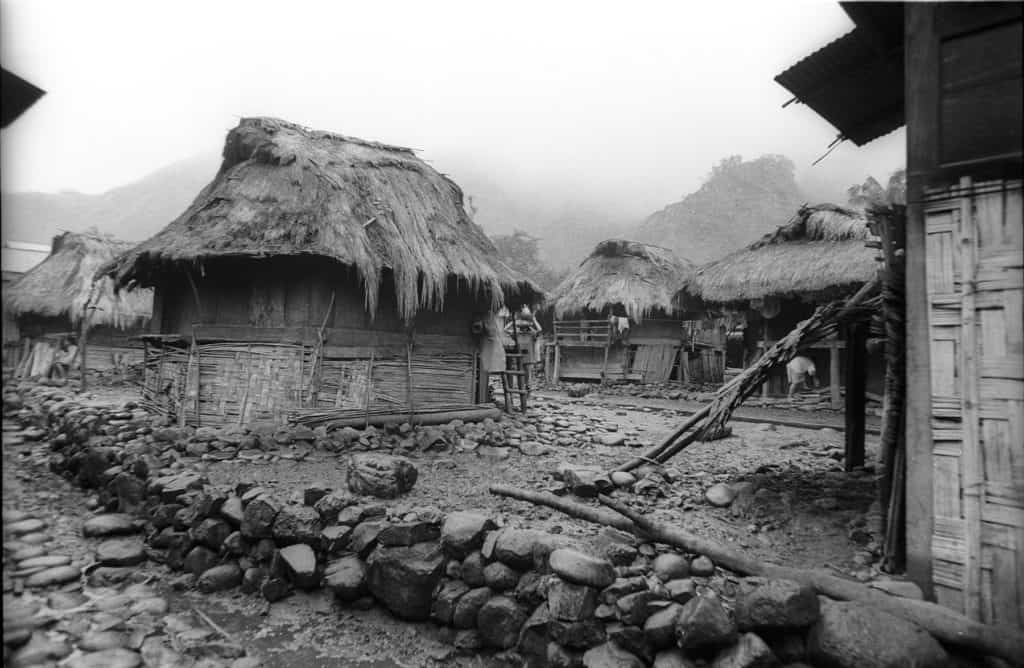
[[779, 492]]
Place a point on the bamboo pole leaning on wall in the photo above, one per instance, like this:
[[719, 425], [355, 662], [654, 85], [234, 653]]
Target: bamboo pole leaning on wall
[[972, 458], [888, 223]]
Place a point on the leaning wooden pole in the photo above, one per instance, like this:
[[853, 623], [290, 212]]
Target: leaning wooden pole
[[941, 622], [889, 224]]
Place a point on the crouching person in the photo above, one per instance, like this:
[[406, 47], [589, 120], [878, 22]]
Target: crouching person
[[799, 370]]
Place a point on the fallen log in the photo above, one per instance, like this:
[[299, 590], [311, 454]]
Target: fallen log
[[946, 625]]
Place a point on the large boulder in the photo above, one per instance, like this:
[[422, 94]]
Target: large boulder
[[575, 566], [346, 577], [571, 602], [330, 505], [775, 604], [704, 623], [219, 578], [258, 518], [383, 476], [660, 627], [499, 622], [515, 547], [297, 524], [670, 566], [404, 578], [299, 563], [468, 607], [849, 635], [463, 531], [446, 599], [611, 655], [749, 652]]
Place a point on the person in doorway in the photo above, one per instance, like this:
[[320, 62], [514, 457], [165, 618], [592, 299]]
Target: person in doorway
[[798, 371], [65, 357]]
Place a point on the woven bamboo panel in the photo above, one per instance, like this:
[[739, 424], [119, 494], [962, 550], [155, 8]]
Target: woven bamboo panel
[[654, 362], [975, 278], [217, 384]]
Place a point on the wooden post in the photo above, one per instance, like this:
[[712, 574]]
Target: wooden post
[[604, 365], [82, 347], [765, 387], [921, 95], [195, 345], [558, 361], [408, 368], [856, 380], [833, 375]]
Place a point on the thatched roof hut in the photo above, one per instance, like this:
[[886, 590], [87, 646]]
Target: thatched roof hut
[[60, 285], [640, 278], [285, 190], [821, 251]]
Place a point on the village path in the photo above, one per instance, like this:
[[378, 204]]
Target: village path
[[750, 412]]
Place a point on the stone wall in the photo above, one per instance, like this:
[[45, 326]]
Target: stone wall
[[520, 595]]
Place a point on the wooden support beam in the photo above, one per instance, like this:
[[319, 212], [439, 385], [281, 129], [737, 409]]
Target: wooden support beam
[[558, 361], [833, 377], [856, 401]]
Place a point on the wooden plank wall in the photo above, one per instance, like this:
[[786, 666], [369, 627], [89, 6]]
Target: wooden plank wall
[[975, 286]]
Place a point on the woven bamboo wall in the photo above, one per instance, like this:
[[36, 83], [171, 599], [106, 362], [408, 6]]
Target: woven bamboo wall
[[215, 384], [975, 276]]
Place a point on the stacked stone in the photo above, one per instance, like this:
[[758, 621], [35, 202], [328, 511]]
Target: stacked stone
[[531, 596]]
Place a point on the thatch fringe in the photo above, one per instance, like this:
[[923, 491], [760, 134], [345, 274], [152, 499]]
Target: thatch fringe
[[61, 284], [287, 190], [640, 278], [822, 248]]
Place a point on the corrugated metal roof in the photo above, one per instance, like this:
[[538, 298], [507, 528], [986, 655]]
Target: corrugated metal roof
[[853, 84]]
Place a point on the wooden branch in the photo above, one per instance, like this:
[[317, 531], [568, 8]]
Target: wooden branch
[[573, 508], [1002, 641]]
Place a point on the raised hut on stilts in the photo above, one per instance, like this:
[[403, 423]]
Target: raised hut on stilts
[[324, 279], [820, 255], [615, 318], [63, 297]]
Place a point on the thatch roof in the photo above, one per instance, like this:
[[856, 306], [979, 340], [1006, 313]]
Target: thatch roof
[[640, 278], [286, 190], [822, 249], [61, 284]]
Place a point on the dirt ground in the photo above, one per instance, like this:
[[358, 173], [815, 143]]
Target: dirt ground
[[802, 516]]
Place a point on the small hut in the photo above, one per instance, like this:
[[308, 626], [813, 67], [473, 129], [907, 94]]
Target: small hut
[[323, 279], [50, 300], [821, 254], [17, 258], [615, 319]]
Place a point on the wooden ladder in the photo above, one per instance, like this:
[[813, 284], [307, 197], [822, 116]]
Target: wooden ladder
[[516, 377], [515, 380]]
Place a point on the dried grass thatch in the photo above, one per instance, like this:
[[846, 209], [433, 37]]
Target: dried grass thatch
[[61, 284], [286, 190], [822, 249], [639, 277]]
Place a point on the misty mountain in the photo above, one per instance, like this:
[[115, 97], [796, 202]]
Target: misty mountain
[[739, 202], [132, 212], [567, 228]]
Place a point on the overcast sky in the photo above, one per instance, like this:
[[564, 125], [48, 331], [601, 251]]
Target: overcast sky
[[629, 103]]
